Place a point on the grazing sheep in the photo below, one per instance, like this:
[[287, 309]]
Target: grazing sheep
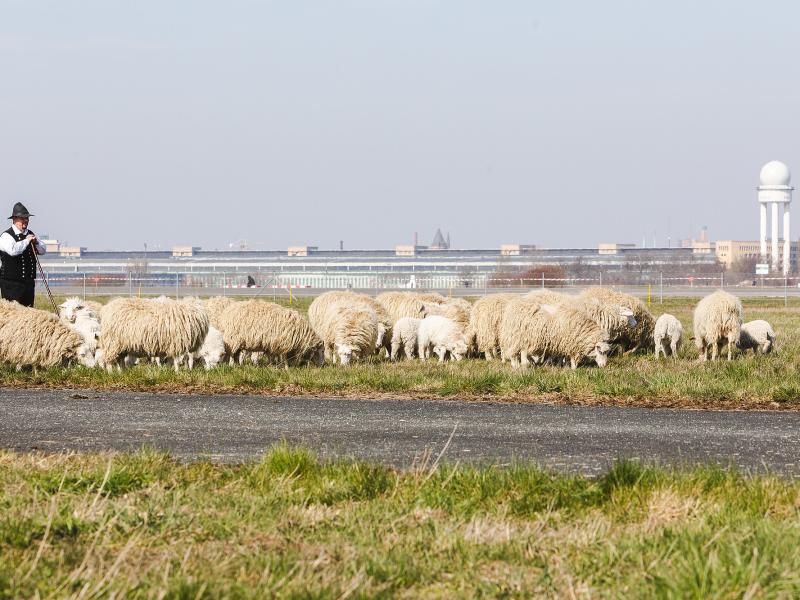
[[515, 331], [545, 296], [281, 334], [32, 337], [484, 323], [77, 317], [144, 328], [215, 306], [385, 322], [564, 333], [641, 336], [440, 335], [402, 304], [211, 352], [404, 335], [348, 330], [668, 334], [757, 336], [717, 320], [457, 310]]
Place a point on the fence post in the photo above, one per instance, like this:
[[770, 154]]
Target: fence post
[[785, 291], [177, 284], [130, 284], [722, 278], [84, 286], [661, 287], [601, 279], [542, 279]]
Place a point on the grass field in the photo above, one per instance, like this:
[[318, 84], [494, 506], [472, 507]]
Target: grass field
[[770, 382], [144, 526]]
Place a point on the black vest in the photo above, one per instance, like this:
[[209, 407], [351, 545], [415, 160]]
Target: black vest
[[21, 267]]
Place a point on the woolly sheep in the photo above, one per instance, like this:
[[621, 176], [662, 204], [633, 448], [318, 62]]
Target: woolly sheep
[[143, 328], [565, 333], [402, 304], [545, 296], [667, 335], [641, 336], [757, 336], [349, 331], [211, 352], [484, 323], [32, 337], [215, 306], [404, 335], [385, 321], [281, 334], [440, 335], [78, 317], [717, 320], [515, 330]]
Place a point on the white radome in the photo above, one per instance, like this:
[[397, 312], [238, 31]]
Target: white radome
[[775, 173]]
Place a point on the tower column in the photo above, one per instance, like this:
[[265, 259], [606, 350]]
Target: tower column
[[787, 240], [763, 237], [774, 239]]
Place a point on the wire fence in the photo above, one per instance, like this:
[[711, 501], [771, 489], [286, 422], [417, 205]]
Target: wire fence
[[217, 283]]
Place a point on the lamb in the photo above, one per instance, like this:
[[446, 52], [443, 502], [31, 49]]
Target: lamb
[[441, 335], [281, 334], [668, 335], [81, 319], [211, 352], [143, 328], [404, 335], [484, 323], [32, 337], [565, 332], [757, 336], [641, 336], [717, 320]]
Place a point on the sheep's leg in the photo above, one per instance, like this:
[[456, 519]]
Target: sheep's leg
[[573, 363], [408, 349], [673, 346], [714, 350], [523, 359], [730, 350], [514, 361], [490, 354]]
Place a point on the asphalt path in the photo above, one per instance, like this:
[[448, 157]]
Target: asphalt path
[[397, 432]]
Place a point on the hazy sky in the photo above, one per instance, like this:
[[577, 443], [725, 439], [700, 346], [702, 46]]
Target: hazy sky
[[284, 123]]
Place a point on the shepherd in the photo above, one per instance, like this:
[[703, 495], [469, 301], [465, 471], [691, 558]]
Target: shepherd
[[17, 245]]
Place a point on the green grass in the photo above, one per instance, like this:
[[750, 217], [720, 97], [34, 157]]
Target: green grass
[[145, 526], [747, 382]]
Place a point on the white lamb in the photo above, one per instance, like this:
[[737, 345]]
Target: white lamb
[[404, 335], [79, 318], [211, 352], [441, 335], [757, 336], [668, 334]]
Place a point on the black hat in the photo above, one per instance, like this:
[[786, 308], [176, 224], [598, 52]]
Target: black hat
[[20, 211]]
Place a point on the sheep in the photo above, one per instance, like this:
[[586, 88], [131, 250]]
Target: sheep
[[514, 330], [215, 306], [484, 323], [404, 335], [641, 336], [32, 337], [211, 352], [143, 328], [441, 335], [717, 319], [562, 332], [668, 334], [281, 334], [402, 304], [544, 296], [757, 336], [430, 297], [349, 332], [457, 310], [321, 303], [78, 317]]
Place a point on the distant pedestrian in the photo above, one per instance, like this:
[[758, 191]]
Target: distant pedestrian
[[17, 245]]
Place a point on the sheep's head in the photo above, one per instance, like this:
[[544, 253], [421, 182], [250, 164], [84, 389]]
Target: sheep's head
[[626, 314], [346, 353], [459, 350], [381, 335], [600, 353], [69, 308], [85, 356]]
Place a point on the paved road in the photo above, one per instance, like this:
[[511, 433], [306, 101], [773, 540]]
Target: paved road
[[238, 428]]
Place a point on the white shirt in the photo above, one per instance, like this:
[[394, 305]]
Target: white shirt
[[14, 248]]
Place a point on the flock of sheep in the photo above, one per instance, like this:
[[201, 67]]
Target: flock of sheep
[[540, 327]]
